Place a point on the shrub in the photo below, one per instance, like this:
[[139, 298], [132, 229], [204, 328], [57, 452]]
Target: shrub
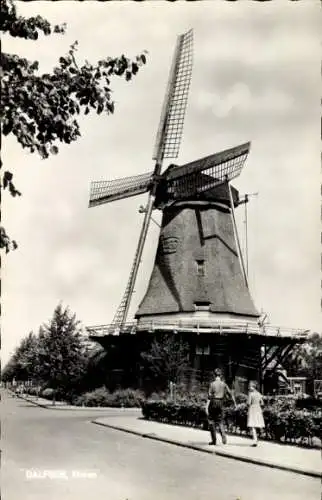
[[309, 403], [157, 396], [236, 418], [32, 390], [188, 413], [275, 423], [47, 393], [98, 397], [287, 425], [241, 398], [280, 403], [128, 398]]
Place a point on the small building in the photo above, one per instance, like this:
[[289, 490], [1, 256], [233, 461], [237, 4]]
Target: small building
[[298, 385]]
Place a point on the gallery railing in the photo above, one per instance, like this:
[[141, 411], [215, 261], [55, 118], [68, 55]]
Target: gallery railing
[[222, 327]]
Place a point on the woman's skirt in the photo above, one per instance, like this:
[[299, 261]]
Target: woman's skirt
[[255, 417]]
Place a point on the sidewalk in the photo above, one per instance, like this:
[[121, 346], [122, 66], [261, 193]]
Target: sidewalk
[[286, 457]]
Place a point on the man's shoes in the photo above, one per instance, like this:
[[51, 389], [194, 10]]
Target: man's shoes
[[211, 442], [255, 444]]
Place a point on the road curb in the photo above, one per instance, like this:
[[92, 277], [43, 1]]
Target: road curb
[[42, 405], [49, 406], [151, 435], [28, 400], [226, 454]]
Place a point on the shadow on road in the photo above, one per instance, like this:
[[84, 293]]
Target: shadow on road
[[30, 405], [247, 445]]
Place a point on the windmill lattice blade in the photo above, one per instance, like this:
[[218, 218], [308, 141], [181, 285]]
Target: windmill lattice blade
[[172, 118], [122, 311], [204, 174], [107, 191], [118, 319]]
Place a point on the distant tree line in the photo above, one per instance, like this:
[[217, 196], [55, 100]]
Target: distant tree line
[[55, 357], [59, 358]]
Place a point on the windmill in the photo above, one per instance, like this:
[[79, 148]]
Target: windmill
[[189, 181], [199, 280]]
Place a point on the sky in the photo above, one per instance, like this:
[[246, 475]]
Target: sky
[[256, 77]]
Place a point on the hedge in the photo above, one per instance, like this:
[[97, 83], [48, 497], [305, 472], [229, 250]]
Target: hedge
[[123, 398], [127, 398], [290, 425], [32, 391], [309, 403]]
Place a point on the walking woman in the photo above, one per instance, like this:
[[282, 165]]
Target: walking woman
[[255, 419]]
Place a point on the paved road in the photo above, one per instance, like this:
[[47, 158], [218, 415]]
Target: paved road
[[87, 461]]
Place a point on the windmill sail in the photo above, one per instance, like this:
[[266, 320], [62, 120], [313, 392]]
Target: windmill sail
[[106, 191], [173, 112], [206, 173], [167, 146]]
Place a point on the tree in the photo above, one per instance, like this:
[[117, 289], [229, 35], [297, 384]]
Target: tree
[[57, 357], [306, 360], [42, 110], [62, 357], [9, 371], [167, 358], [96, 372], [24, 363]]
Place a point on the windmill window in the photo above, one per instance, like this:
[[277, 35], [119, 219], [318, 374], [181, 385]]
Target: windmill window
[[203, 350], [200, 267]]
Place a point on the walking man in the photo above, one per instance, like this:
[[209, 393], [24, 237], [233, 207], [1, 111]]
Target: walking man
[[215, 407]]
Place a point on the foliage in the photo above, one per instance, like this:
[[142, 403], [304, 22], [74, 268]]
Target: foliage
[[309, 403], [195, 396], [127, 398], [241, 398], [287, 426], [96, 368], [167, 358], [157, 396], [281, 403], [42, 110], [306, 359], [55, 358], [24, 363], [32, 390], [47, 393], [61, 354]]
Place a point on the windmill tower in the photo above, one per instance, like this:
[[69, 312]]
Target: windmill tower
[[199, 270], [199, 281]]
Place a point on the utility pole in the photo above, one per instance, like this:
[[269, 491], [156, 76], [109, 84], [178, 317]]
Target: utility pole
[[244, 201]]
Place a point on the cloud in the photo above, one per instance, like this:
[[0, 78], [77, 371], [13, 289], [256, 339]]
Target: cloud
[[240, 99]]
